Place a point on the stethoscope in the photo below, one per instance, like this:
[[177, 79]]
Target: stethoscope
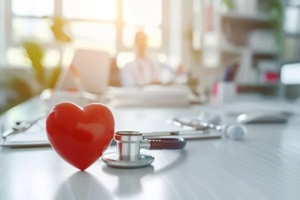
[[128, 145], [233, 131]]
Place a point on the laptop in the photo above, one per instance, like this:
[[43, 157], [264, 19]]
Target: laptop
[[89, 71]]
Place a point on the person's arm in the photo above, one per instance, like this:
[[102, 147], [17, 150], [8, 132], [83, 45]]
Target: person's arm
[[169, 73]]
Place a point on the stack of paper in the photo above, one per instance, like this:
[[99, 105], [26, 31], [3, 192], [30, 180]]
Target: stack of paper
[[150, 96]]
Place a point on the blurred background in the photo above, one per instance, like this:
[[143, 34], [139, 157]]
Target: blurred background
[[38, 39]]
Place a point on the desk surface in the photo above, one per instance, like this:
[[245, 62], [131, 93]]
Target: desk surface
[[266, 165]]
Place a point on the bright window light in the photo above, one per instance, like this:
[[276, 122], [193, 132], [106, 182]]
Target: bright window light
[[35, 8], [37, 29], [90, 24], [142, 13], [90, 9], [94, 34], [16, 57]]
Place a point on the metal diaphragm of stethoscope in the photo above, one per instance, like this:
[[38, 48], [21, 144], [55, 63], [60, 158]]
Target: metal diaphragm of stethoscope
[[128, 145]]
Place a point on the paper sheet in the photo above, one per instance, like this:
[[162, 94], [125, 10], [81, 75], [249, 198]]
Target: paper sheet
[[34, 136]]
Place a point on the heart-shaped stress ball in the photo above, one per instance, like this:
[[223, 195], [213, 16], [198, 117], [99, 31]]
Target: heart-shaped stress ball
[[80, 135]]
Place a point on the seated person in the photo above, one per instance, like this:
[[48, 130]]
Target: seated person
[[143, 70]]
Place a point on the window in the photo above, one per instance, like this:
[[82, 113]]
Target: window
[[106, 24], [34, 8], [90, 9]]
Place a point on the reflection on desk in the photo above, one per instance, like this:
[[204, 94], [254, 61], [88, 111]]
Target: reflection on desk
[[263, 166]]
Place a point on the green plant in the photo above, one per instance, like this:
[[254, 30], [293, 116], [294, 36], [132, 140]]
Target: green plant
[[229, 4], [35, 52], [58, 30], [16, 83], [276, 17]]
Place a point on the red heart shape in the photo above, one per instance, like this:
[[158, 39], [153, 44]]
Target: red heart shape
[[80, 135]]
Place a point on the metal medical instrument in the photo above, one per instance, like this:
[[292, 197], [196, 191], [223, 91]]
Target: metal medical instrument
[[20, 126], [185, 134], [234, 132], [196, 124], [128, 145]]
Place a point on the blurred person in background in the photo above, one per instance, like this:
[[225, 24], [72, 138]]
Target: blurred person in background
[[144, 70]]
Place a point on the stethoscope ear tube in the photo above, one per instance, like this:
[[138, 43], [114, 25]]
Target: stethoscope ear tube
[[167, 143]]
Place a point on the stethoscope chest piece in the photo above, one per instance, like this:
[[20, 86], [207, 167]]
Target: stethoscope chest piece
[[127, 153], [113, 160], [128, 145]]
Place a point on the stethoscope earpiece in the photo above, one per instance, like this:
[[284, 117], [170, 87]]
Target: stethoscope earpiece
[[234, 132]]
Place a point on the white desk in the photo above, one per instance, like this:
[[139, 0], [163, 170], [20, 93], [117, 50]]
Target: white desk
[[266, 165]]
